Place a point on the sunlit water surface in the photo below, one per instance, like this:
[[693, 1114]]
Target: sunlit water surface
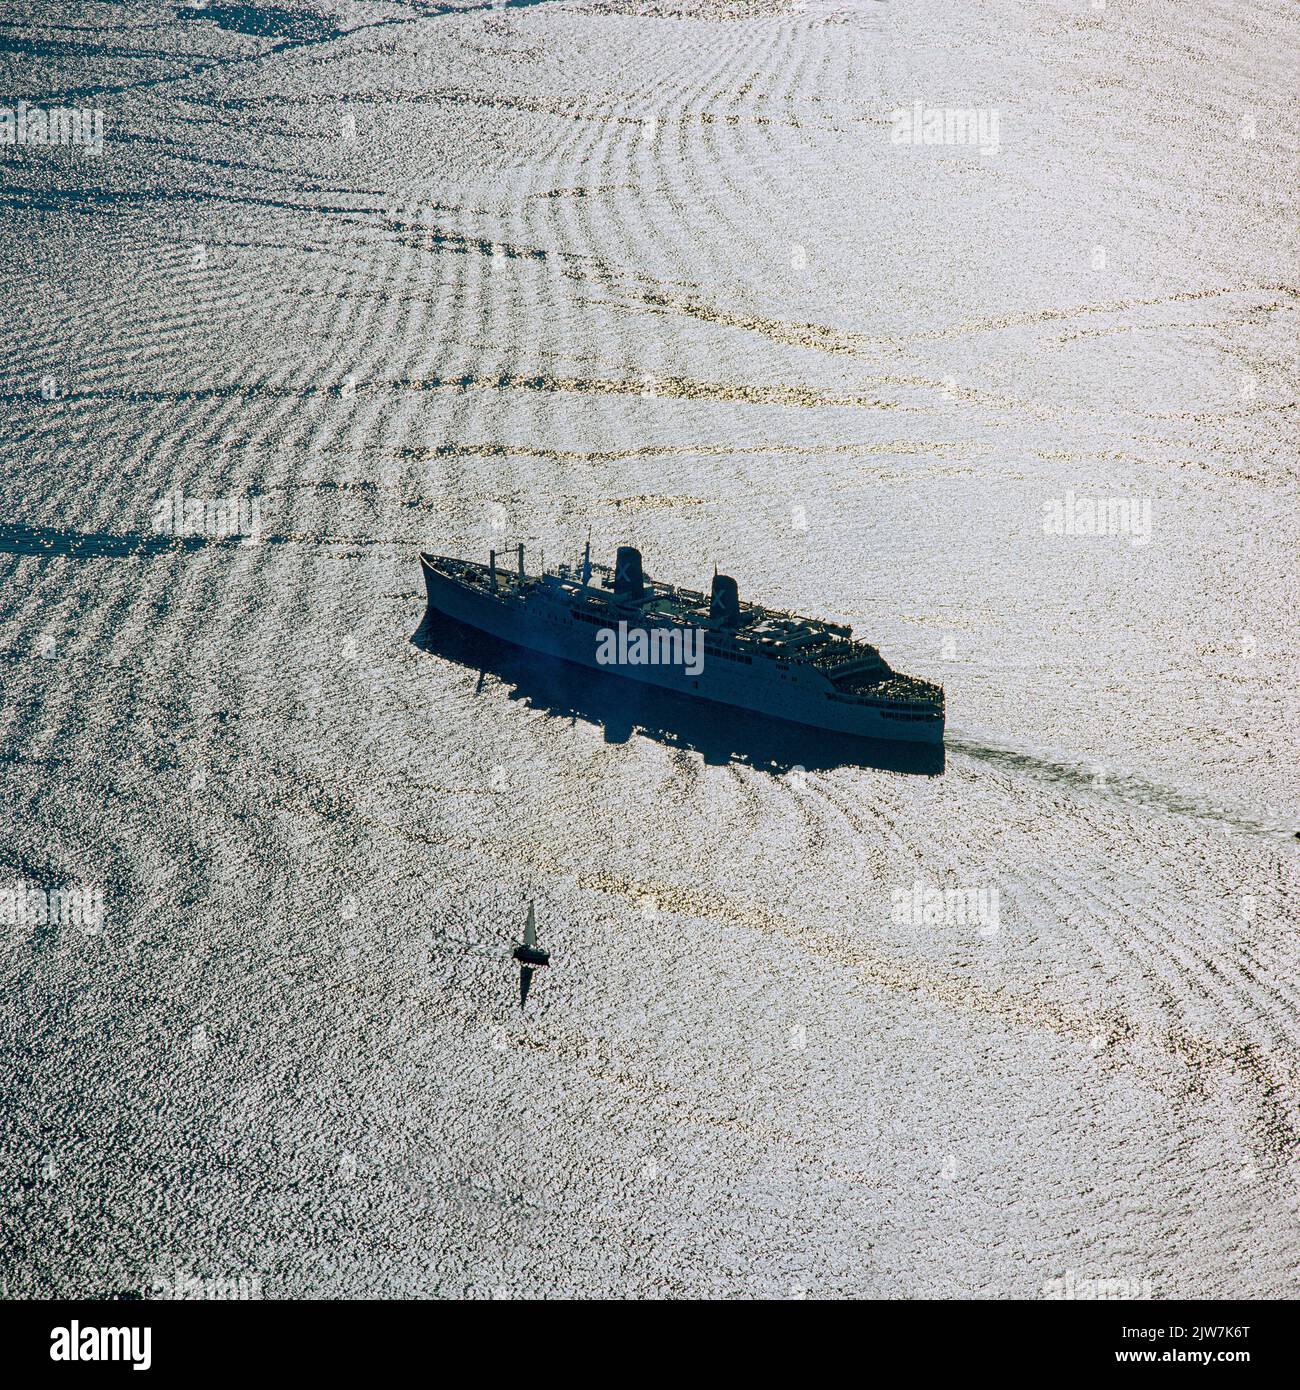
[[422, 276]]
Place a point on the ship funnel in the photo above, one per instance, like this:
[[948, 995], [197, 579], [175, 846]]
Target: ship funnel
[[628, 580], [724, 606]]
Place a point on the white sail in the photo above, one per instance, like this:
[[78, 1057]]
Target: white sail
[[530, 927]]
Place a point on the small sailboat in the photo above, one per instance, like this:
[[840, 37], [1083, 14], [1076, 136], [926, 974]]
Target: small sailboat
[[529, 955]]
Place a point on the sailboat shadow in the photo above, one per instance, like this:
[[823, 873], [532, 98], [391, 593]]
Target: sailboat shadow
[[719, 734]]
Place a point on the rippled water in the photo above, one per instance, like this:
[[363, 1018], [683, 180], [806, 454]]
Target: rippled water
[[416, 276]]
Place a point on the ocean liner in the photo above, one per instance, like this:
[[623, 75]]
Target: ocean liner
[[713, 647]]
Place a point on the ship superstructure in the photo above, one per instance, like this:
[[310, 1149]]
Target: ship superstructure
[[617, 619]]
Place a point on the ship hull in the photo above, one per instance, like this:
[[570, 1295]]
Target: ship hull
[[549, 629]]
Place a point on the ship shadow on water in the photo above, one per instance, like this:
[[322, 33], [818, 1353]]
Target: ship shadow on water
[[718, 734]]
